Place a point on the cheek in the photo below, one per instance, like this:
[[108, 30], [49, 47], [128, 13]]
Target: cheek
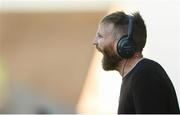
[[107, 44], [101, 44], [109, 51]]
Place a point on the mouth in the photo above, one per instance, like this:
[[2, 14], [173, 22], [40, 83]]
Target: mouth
[[98, 49]]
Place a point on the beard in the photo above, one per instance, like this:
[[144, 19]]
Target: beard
[[110, 60]]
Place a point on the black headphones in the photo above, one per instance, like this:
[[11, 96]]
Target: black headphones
[[125, 45]]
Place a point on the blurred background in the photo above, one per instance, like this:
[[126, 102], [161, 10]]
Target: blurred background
[[49, 65]]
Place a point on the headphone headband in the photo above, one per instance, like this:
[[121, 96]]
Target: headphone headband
[[130, 27]]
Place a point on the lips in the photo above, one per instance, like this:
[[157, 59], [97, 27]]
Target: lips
[[98, 48]]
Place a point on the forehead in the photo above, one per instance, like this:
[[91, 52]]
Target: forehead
[[105, 28]]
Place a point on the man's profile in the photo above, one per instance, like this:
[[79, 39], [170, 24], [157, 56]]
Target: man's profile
[[146, 87]]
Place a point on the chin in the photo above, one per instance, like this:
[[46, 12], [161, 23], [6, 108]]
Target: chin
[[108, 68], [109, 64], [110, 60]]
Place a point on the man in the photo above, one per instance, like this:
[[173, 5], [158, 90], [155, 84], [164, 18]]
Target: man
[[146, 88]]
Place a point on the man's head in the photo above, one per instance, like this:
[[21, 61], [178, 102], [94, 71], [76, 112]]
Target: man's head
[[111, 28]]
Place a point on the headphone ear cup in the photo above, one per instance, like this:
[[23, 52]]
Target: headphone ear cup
[[125, 47]]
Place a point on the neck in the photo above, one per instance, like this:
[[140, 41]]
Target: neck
[[127, 64]]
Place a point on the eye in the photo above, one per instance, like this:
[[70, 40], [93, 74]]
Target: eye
[[99, 35]]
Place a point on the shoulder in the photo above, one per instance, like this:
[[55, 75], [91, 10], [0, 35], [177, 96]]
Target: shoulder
[[149, 64], [149, 73], [150, 67], [147, 67]]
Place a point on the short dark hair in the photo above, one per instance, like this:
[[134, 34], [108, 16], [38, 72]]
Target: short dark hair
[[120, 21]]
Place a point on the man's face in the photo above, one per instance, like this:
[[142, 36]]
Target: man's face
[[105, 43]]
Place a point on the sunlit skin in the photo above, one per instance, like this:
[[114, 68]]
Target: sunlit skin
[[104, 39]]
